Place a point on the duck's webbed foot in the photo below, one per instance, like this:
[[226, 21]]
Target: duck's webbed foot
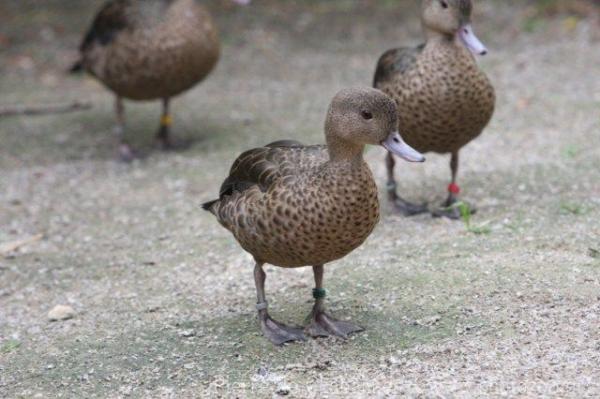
[[276, 332], [451, 212], [126, 153], [453, 208], [404, 207], [323, 325]]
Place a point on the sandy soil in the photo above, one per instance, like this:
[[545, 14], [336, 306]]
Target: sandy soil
[[164, 297]]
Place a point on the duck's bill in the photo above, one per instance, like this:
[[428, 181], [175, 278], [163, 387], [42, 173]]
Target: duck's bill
[[471, 41], [397, 146]]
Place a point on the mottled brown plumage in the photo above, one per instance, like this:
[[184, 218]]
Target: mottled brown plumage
[[444, 99], [291, 205], [148, 50]]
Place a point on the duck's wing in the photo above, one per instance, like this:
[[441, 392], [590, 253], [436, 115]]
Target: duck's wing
[[110, 20], [260, 168], [395, 61], [263, 166]]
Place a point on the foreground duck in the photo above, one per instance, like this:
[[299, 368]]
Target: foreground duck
[[293, 206], [444, 99], [149, 50]]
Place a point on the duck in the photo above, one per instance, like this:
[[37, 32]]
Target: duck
[[293, 205], [445, 100], [145, 50]]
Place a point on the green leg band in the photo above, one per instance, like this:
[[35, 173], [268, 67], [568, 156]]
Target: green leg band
[[319, 293]]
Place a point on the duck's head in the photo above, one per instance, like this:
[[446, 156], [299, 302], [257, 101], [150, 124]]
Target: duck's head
[[452, 18], [361, 116]]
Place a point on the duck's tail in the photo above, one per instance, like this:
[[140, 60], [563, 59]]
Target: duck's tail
[[210, 206], [77, 67]]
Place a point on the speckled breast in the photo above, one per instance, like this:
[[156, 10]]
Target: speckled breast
[[444, 101], [312, 226]]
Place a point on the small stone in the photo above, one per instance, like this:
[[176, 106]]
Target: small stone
[[126, 390], [187, 333], [61, 312], [283, 389], [392, 361]]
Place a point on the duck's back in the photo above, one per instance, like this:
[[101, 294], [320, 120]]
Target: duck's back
[[148, 49], [444, 98], [288, 208]]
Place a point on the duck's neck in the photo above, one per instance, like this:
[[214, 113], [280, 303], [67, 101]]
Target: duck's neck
[[344, 152], [436, 38]]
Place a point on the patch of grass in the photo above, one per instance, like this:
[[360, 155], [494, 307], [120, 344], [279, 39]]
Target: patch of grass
[[465, 214], [516, 224], [532, 24], [10, 345], [568, 208], [571, 151]]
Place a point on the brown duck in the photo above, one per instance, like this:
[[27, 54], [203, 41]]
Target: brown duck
[[148, 50], [292, 205], [444, 99]]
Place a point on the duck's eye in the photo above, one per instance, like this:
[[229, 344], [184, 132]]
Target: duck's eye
[[366, 115], [444, 4]]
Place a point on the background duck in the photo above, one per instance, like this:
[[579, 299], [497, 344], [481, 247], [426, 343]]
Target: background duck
[[444, 99], [292, 205], [148, 50]]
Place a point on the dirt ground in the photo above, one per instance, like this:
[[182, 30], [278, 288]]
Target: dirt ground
[[164, 297]]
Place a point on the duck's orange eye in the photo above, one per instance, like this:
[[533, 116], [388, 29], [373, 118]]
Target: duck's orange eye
[[444, 4], [367, 115]]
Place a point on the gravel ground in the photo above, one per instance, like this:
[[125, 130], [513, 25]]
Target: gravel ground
[[161, 298]]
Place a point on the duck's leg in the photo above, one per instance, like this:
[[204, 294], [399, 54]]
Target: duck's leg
[[321, 324], [448, 209], [400, 204], [276, 332], [164, 131], [125, 152]]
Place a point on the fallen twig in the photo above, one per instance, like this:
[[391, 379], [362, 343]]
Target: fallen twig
[[14, 245], [44, 109]]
